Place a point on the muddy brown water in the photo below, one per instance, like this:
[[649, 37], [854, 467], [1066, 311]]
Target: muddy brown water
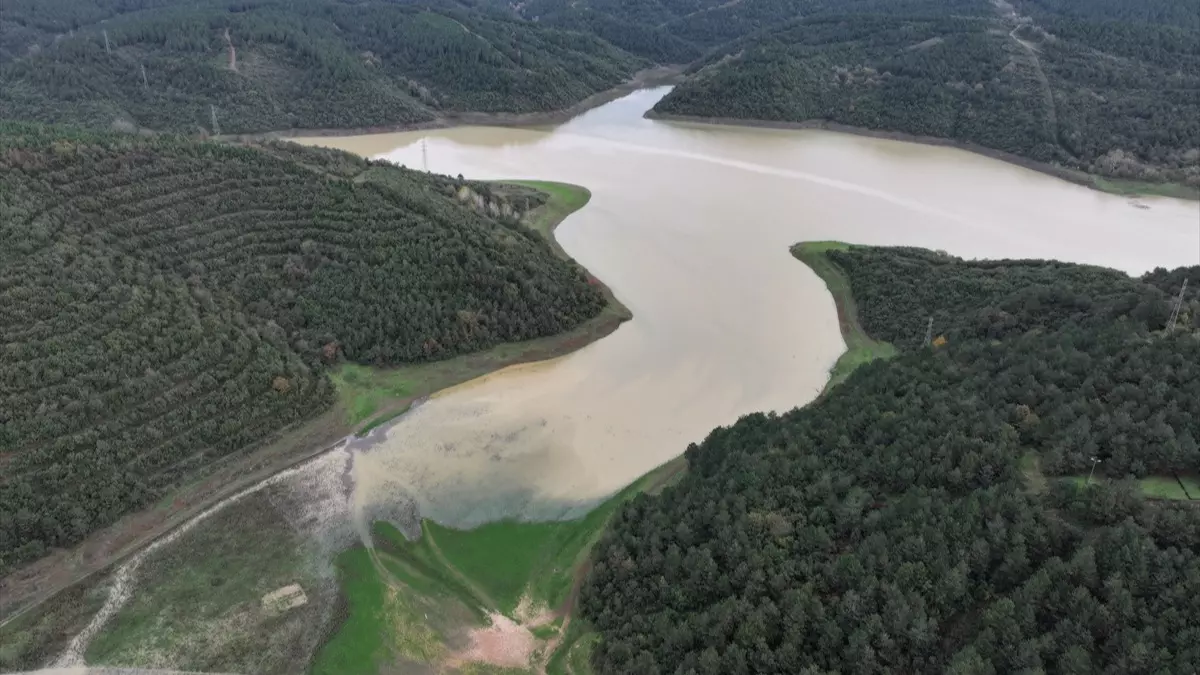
[[690, 225]]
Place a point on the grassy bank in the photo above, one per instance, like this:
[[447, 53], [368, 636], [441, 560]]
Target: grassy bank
[[1138, 188], [860, 347], [372, 396], [415, 602], [1183, 488], [565, 199]]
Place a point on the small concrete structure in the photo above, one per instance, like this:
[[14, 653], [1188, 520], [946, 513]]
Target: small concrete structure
[[280, 601]]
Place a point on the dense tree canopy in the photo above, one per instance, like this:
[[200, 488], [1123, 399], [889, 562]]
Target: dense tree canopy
[[225, 66], [165, 302], [1099, 86], [1072, 350], [1083, 85], [893, 526]]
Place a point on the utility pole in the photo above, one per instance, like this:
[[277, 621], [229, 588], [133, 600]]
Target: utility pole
[[1178, 306], [929, 333], [106, 49], [1095, 461]]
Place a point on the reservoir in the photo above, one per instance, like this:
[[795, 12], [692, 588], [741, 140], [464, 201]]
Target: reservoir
[[690, 226]]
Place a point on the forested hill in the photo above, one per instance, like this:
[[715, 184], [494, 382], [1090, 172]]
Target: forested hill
[[165, 302], [1112, 89], [933, 512], [1107, 88], [232, 66]]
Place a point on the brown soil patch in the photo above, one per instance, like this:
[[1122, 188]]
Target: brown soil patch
[[504, 643]]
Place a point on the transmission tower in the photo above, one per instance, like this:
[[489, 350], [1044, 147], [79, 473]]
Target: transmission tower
[[216, 129], [145, 82], [424, 156], [1178, 306], [929, 333], [106, 49]]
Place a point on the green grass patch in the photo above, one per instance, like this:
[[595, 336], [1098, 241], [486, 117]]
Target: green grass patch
[[388, 622], [382, 419], [358, 646], [860, 347], [1162, 487], [423, 569], [500, 556], [1133, 188], [1029, 462], [1031, 467], [403, 604], [1154, 487], [574, 654], [509, 558], [362, 389], [565, 199]]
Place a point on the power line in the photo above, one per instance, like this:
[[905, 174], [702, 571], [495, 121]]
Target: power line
[[1178, 306]]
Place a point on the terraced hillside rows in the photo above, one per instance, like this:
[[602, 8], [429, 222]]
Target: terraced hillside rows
[[223, 67], [166, 302]]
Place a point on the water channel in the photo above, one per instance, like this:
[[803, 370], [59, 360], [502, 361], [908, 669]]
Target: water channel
[[690, 225]]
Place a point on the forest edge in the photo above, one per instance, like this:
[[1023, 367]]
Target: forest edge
[[29, 586]]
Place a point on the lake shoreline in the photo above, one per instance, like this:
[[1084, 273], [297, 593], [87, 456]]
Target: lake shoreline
[[26, 588], [1094, 181], [649, 77], [861, 348]]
